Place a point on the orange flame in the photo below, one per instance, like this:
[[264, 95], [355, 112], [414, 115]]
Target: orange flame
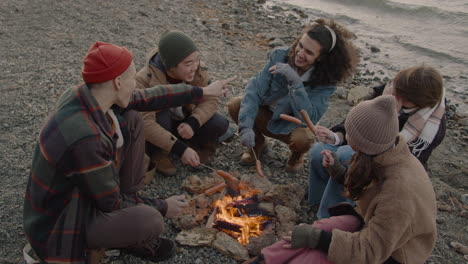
[[251, 226]]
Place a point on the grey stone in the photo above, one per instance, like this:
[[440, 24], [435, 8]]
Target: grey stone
[[199, 236], [464, 198], [289, 195], [230, 247], [357, 94], [286, 220], [277, 42]]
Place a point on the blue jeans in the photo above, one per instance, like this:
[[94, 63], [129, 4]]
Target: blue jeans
[[322, 188]]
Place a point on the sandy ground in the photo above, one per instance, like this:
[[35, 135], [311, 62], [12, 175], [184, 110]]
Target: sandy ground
[[42, 45]]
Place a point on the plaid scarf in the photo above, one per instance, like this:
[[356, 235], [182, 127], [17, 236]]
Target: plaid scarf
[[422, 126]]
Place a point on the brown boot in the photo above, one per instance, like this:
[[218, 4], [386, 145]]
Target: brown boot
[[164, 164], [248, 158], [94, 256], [206, 152], [295, 162], [150, 169]]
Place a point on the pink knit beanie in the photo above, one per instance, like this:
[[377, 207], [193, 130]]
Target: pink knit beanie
[[372, 126]]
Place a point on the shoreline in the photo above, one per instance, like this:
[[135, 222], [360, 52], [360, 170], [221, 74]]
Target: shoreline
[[398, 46], [44, 45]]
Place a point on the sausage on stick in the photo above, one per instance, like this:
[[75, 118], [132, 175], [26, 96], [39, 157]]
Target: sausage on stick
[[308, 121], [291, 119], [211, 190]]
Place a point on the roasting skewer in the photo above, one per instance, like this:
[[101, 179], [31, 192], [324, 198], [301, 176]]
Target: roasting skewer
[[212, 190], [258, 165]]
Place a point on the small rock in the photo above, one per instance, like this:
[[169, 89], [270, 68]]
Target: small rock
[[6, 125], [464, 198], [464, 214], [277, 42], [341, 92], [440, 220], [444, 207], [460, 248], [261, 1], [374, 49], [225, 26]]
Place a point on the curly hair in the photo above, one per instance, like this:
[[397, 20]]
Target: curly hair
[[335, 66], [361, 173]]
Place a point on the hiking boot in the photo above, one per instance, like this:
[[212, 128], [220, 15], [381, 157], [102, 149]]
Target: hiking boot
[[158, 249], [94, 256], [150, 169], [164, 164], [206, 152], [248, 158], [295, 162]]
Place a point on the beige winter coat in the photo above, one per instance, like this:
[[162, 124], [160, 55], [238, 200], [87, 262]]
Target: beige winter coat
[[400, 217], [150, 76]]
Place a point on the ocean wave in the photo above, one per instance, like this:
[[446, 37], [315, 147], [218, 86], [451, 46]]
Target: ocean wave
[[431, 52], [416, 11]]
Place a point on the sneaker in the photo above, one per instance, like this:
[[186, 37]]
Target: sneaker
[[295, 162], [158, 249]]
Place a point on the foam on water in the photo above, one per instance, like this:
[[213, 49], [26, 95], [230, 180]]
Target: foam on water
[[410, 32]]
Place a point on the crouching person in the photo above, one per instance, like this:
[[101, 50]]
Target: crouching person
[[394, 221], [87, 170], [190, 132], [300, 77]]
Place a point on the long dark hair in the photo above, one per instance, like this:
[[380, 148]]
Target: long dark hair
[[335, 66], [362, 171]]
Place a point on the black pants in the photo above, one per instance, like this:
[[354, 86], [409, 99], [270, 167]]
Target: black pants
[[209, 133]]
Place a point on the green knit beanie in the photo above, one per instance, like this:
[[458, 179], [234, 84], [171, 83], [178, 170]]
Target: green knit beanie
[[174, 47]]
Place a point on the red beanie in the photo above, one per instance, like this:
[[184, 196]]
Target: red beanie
[[104, 62]]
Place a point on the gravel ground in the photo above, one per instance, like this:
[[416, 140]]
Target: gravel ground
[[43, 42]]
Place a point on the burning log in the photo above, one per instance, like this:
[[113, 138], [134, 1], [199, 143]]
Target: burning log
[[220, 224]]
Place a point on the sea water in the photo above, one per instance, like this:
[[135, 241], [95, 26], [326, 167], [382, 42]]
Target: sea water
[[408, 33]]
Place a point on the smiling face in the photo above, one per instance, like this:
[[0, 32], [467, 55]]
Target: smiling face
[[126, 84], [306, 52], [185, 70]]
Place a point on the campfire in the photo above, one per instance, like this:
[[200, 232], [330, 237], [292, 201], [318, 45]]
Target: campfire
[[241, 216], [237, 214]]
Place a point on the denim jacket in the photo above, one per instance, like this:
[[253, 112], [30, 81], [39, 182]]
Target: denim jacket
[[266, 88]]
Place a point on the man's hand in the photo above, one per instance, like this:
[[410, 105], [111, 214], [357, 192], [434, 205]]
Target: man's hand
[[217, 88], [175, 205], [185, 131], [247, 137], [289, 73], [190, 157]]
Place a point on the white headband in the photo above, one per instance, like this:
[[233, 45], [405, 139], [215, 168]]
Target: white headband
[[333, 35]]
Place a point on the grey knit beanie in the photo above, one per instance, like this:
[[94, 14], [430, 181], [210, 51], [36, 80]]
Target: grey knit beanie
[[372, 126], [174, 47]]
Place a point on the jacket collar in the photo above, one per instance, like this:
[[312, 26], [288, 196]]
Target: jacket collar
[[394, 155], [92, 107]]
